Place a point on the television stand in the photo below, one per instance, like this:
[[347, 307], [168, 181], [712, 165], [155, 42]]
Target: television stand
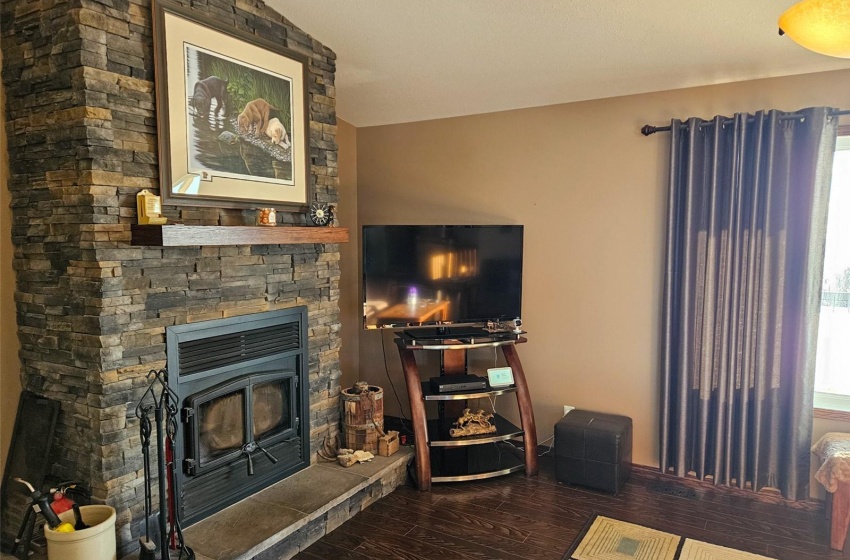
[[443, 332], [442, 458]]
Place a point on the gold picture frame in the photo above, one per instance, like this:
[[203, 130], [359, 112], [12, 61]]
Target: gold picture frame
[[232, 115]]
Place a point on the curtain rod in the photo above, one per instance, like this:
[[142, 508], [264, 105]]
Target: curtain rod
[[649, 129]]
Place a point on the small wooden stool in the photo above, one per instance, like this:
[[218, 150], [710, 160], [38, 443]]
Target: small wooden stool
[[833, 449]]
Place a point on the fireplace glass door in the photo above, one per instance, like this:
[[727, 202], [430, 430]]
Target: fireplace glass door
[[237, 418], [221, 427]]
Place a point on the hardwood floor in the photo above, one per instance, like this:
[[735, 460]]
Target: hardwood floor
[[516, 517]]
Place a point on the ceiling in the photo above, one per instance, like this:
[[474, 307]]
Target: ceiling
[[412, 60]]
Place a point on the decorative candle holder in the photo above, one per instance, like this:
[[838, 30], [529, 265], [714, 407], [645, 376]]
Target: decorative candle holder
[[266, 217]]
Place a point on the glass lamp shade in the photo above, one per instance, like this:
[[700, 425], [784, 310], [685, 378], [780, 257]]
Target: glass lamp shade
[[822, 26]]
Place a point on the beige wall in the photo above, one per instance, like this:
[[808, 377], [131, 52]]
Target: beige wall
[[590, 191], [10, 386], [349, 261]]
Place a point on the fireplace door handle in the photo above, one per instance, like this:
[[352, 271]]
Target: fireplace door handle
[[250, 463], [248, 449], [271, 457]]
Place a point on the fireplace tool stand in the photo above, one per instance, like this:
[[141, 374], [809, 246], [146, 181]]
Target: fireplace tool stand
[[160, 399]]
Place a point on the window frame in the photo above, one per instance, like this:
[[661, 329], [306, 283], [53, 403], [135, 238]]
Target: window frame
[[833, 406]]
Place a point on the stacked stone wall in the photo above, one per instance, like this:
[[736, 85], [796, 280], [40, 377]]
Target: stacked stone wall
[[92, 309]]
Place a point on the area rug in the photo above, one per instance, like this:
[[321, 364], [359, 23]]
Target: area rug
[[698, 550], [611, 539], [605, 538]]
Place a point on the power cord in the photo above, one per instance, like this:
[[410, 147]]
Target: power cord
[[551, 446], [392, 385]]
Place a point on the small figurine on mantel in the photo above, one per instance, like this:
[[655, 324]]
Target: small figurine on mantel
[[334, 215], [266, 217], [149, 208], [473, 424]]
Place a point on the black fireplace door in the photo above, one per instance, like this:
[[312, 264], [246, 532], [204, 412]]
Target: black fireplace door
[[239, 419]]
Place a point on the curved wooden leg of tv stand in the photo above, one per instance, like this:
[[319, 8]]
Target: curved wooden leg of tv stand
[[420, 425], [526, 412]]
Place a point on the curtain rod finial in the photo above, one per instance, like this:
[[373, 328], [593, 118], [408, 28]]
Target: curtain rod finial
[[648, 129]]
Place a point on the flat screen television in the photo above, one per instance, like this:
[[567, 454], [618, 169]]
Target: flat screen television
[[435, 275]]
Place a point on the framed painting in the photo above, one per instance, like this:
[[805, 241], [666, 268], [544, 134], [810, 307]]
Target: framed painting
[[232, 115]]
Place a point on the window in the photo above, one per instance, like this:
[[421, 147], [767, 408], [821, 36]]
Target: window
[[832, 372]]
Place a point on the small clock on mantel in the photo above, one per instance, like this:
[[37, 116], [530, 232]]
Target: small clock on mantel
[[322, 214]]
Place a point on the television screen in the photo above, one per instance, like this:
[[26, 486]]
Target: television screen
[[421, 275]]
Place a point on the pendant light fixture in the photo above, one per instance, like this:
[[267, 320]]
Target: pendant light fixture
[[822, 26]]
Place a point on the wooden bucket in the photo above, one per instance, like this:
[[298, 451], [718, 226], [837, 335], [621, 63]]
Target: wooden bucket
[[363, 416]]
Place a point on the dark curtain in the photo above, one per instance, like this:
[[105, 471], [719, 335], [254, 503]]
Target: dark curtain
[[745, 241]]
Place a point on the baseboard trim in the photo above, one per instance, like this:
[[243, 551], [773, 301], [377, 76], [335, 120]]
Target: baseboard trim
[[767, 495]]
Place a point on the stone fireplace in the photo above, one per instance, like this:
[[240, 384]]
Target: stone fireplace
[[92, 310]]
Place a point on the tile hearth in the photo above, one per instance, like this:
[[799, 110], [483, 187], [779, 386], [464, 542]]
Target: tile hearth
[[287, 517]]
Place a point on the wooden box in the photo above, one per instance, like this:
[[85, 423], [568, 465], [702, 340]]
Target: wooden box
[[388, 444]]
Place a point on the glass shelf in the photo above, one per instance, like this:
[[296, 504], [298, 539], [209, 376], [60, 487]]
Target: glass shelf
[[476, 462], [462, 343], [430, 395], [438, 430]]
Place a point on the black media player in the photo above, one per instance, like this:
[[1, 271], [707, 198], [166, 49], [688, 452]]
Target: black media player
[[455, 383]]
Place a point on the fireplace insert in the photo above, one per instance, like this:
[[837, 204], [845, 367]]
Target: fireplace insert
[[244, 407]]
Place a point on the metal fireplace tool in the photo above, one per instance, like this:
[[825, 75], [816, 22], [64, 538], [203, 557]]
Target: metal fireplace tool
[[162, 400]]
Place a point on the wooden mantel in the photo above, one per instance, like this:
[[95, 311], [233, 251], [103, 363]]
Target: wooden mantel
[[177, 235]]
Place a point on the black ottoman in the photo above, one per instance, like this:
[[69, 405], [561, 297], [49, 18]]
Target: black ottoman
[[593, 449]]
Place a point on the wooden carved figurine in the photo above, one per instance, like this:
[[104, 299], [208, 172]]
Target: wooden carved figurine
[[470, 424]]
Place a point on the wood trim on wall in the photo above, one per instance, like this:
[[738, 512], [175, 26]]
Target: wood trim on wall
[[829, 414], [769, 496]]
